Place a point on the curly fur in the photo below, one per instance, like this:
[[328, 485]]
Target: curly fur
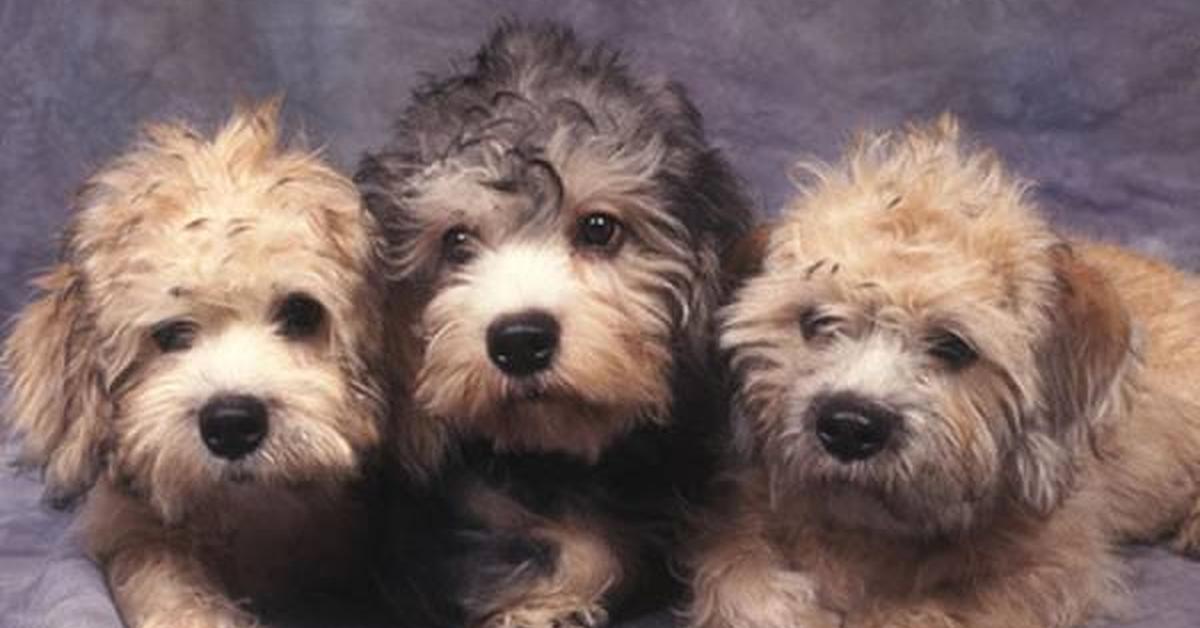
[[539, 133], [215, 232], [1008, 478]]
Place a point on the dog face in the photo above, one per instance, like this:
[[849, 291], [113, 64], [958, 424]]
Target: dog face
[[919, 346], [561, 224], [211, 321]]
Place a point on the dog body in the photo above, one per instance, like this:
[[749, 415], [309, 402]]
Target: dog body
[[199, 366], [947, 415], [1147, 478], [554, 229]]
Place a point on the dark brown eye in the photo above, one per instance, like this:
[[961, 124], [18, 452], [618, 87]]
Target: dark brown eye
[[174, 335], [950, 349], [458, 245], [299, 316], [817, 324], [599, 230]]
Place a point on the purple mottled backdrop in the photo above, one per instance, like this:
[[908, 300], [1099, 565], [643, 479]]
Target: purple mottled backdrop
[[1098, 100]]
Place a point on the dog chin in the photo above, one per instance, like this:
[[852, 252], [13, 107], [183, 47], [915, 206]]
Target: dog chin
[[858, 506], [859, 510], [535, 393], [541, 405], [541, 399]]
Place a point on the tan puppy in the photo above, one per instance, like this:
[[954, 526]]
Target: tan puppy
[[948, 414], [199, 364]]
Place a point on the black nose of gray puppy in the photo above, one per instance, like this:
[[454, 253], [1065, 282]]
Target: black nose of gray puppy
[[523, 344]]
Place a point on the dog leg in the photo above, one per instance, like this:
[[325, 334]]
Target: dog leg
[[1063, 591], [923, 617], [1187, 539], [737, 587], [152, 571], [157, 587], [527, 570], [1016, 606], [739, 580], [588, 565]]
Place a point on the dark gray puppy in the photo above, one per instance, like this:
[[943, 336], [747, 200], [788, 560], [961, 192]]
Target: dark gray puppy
[[553, 229]]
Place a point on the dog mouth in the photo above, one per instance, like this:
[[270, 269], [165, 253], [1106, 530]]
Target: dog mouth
[[238, 473], [541, 400], [535, 391]]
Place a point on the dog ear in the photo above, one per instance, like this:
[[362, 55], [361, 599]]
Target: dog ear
[[58, 401], [1080, 362], [419, 444], [744, 258]]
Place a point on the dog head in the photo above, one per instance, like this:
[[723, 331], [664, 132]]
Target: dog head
[[210, 321], [559, 224], [920, 349]]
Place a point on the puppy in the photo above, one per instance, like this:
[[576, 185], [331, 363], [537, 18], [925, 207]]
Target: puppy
[[947, 415], [200, 365], [554, 226]]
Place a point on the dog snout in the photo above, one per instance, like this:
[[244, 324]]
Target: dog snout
[[523, 344], [853, 429], [232, 426]]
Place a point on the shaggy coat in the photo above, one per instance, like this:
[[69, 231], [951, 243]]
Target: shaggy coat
[[200, 368], [947, 415], [547, 185]]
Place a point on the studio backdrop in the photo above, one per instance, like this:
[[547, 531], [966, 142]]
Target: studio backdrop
[[1097, 101]]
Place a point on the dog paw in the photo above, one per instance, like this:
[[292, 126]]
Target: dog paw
[[1187, 539], [547, 614], [197, 622], [905, 618], [206, 617], [779, 599]]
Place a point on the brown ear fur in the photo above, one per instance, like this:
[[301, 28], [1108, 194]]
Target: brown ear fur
[[57, 401], [744, 258], [1080, 361], [420, 444]]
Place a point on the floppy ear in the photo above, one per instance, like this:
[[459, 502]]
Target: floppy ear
[[419, 444], [57, 399], [744, 258], [739, 263], [1081, 361]]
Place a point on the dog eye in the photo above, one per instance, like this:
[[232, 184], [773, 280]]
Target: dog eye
[[174, 335], [952, 350], [599, 230], [458, 245], [299, 316], [815, 324]]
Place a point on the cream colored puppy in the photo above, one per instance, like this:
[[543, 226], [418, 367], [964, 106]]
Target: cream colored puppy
[[199, 364], [948, 414]]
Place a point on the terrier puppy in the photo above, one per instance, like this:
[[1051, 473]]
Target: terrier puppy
[[555, 226], [947, 414], [200, 364]]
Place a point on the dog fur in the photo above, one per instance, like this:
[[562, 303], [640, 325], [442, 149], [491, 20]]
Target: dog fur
[[547, 178], [198, 268], [1041, 393]]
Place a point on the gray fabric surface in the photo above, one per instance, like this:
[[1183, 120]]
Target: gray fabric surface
[[1099, 100]]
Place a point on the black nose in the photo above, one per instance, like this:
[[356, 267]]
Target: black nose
[[233, 425], [523, 344], [854, 429]]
